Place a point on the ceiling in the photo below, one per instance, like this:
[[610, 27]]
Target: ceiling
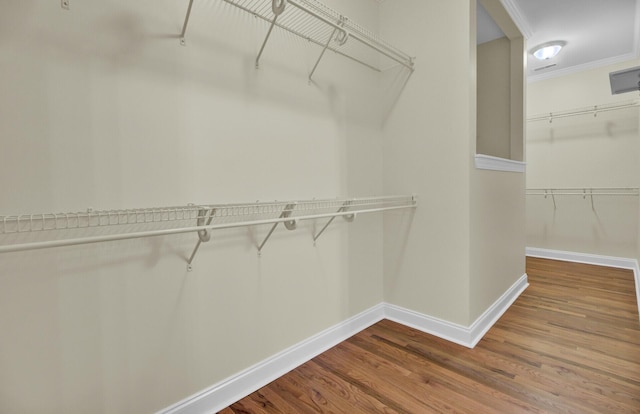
[[596, 32]]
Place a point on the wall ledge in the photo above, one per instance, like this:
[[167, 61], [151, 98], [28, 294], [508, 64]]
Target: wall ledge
[[593, 259], [230, 390], [488, 162]]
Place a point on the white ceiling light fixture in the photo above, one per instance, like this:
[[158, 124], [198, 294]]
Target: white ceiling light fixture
[[547, 50]]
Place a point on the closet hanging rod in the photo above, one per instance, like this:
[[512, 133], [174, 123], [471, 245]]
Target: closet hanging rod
[[583, 192], [362, 205], [604, 191], [594, 110]]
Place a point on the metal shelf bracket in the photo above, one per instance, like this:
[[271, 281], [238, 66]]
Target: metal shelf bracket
[[590, 194], [204, 235], [553, 197], [348, 217], [339, 35], [277, 6], [186, 22], [289, 224]]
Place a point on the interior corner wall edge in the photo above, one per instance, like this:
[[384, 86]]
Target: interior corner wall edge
[[497, 235], [426, 138]]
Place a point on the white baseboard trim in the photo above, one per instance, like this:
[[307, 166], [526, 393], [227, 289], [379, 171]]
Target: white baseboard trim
[[482, 325], [226, 392], [593, 259], [462, 335]]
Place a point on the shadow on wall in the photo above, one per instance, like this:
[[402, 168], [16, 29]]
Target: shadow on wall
[[396, 82], [397, 228], [589, 128], [220, 52], [607, 228]]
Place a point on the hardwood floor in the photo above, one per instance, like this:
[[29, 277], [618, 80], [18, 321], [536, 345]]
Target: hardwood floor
[[569, 344]]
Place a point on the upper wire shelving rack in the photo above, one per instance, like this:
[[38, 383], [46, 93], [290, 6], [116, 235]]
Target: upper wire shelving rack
[[323, 26], [203, 219]]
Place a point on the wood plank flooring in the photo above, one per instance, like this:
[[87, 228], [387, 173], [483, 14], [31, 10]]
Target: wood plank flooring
[[569, 344]]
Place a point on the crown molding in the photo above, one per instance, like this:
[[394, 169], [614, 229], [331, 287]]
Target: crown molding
[[518, 17]]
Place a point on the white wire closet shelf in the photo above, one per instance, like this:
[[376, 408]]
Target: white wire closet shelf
[[201, 219], [323, 26], [593, 110], [584, 192]]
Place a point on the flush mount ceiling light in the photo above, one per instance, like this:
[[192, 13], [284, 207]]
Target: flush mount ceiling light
[[547, 50]]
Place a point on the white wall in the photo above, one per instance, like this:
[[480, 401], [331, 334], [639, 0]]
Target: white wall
[[101, 107], [583, 151]]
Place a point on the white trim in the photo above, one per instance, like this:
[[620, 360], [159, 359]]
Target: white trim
[[487, 162], [585, 66], [518, 18], [586, 258], [482, 325], [636, 37], [461, 335], [452, 332], [594, 259], [226, 392]]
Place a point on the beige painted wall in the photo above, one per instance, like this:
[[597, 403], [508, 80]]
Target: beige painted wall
[[497, 236], [426, 151], [494, 98], [465, 245], [497, 202], [583, 151], [101, 107]]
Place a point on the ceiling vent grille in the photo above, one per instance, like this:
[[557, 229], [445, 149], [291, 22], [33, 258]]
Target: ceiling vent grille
[[623, 81]]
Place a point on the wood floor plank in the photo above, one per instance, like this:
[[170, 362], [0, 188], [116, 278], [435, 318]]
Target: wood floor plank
[[569, 344], [453, 384], [356, 398]]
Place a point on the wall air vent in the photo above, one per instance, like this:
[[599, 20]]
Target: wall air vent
[[623, 81], [545, 67]]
